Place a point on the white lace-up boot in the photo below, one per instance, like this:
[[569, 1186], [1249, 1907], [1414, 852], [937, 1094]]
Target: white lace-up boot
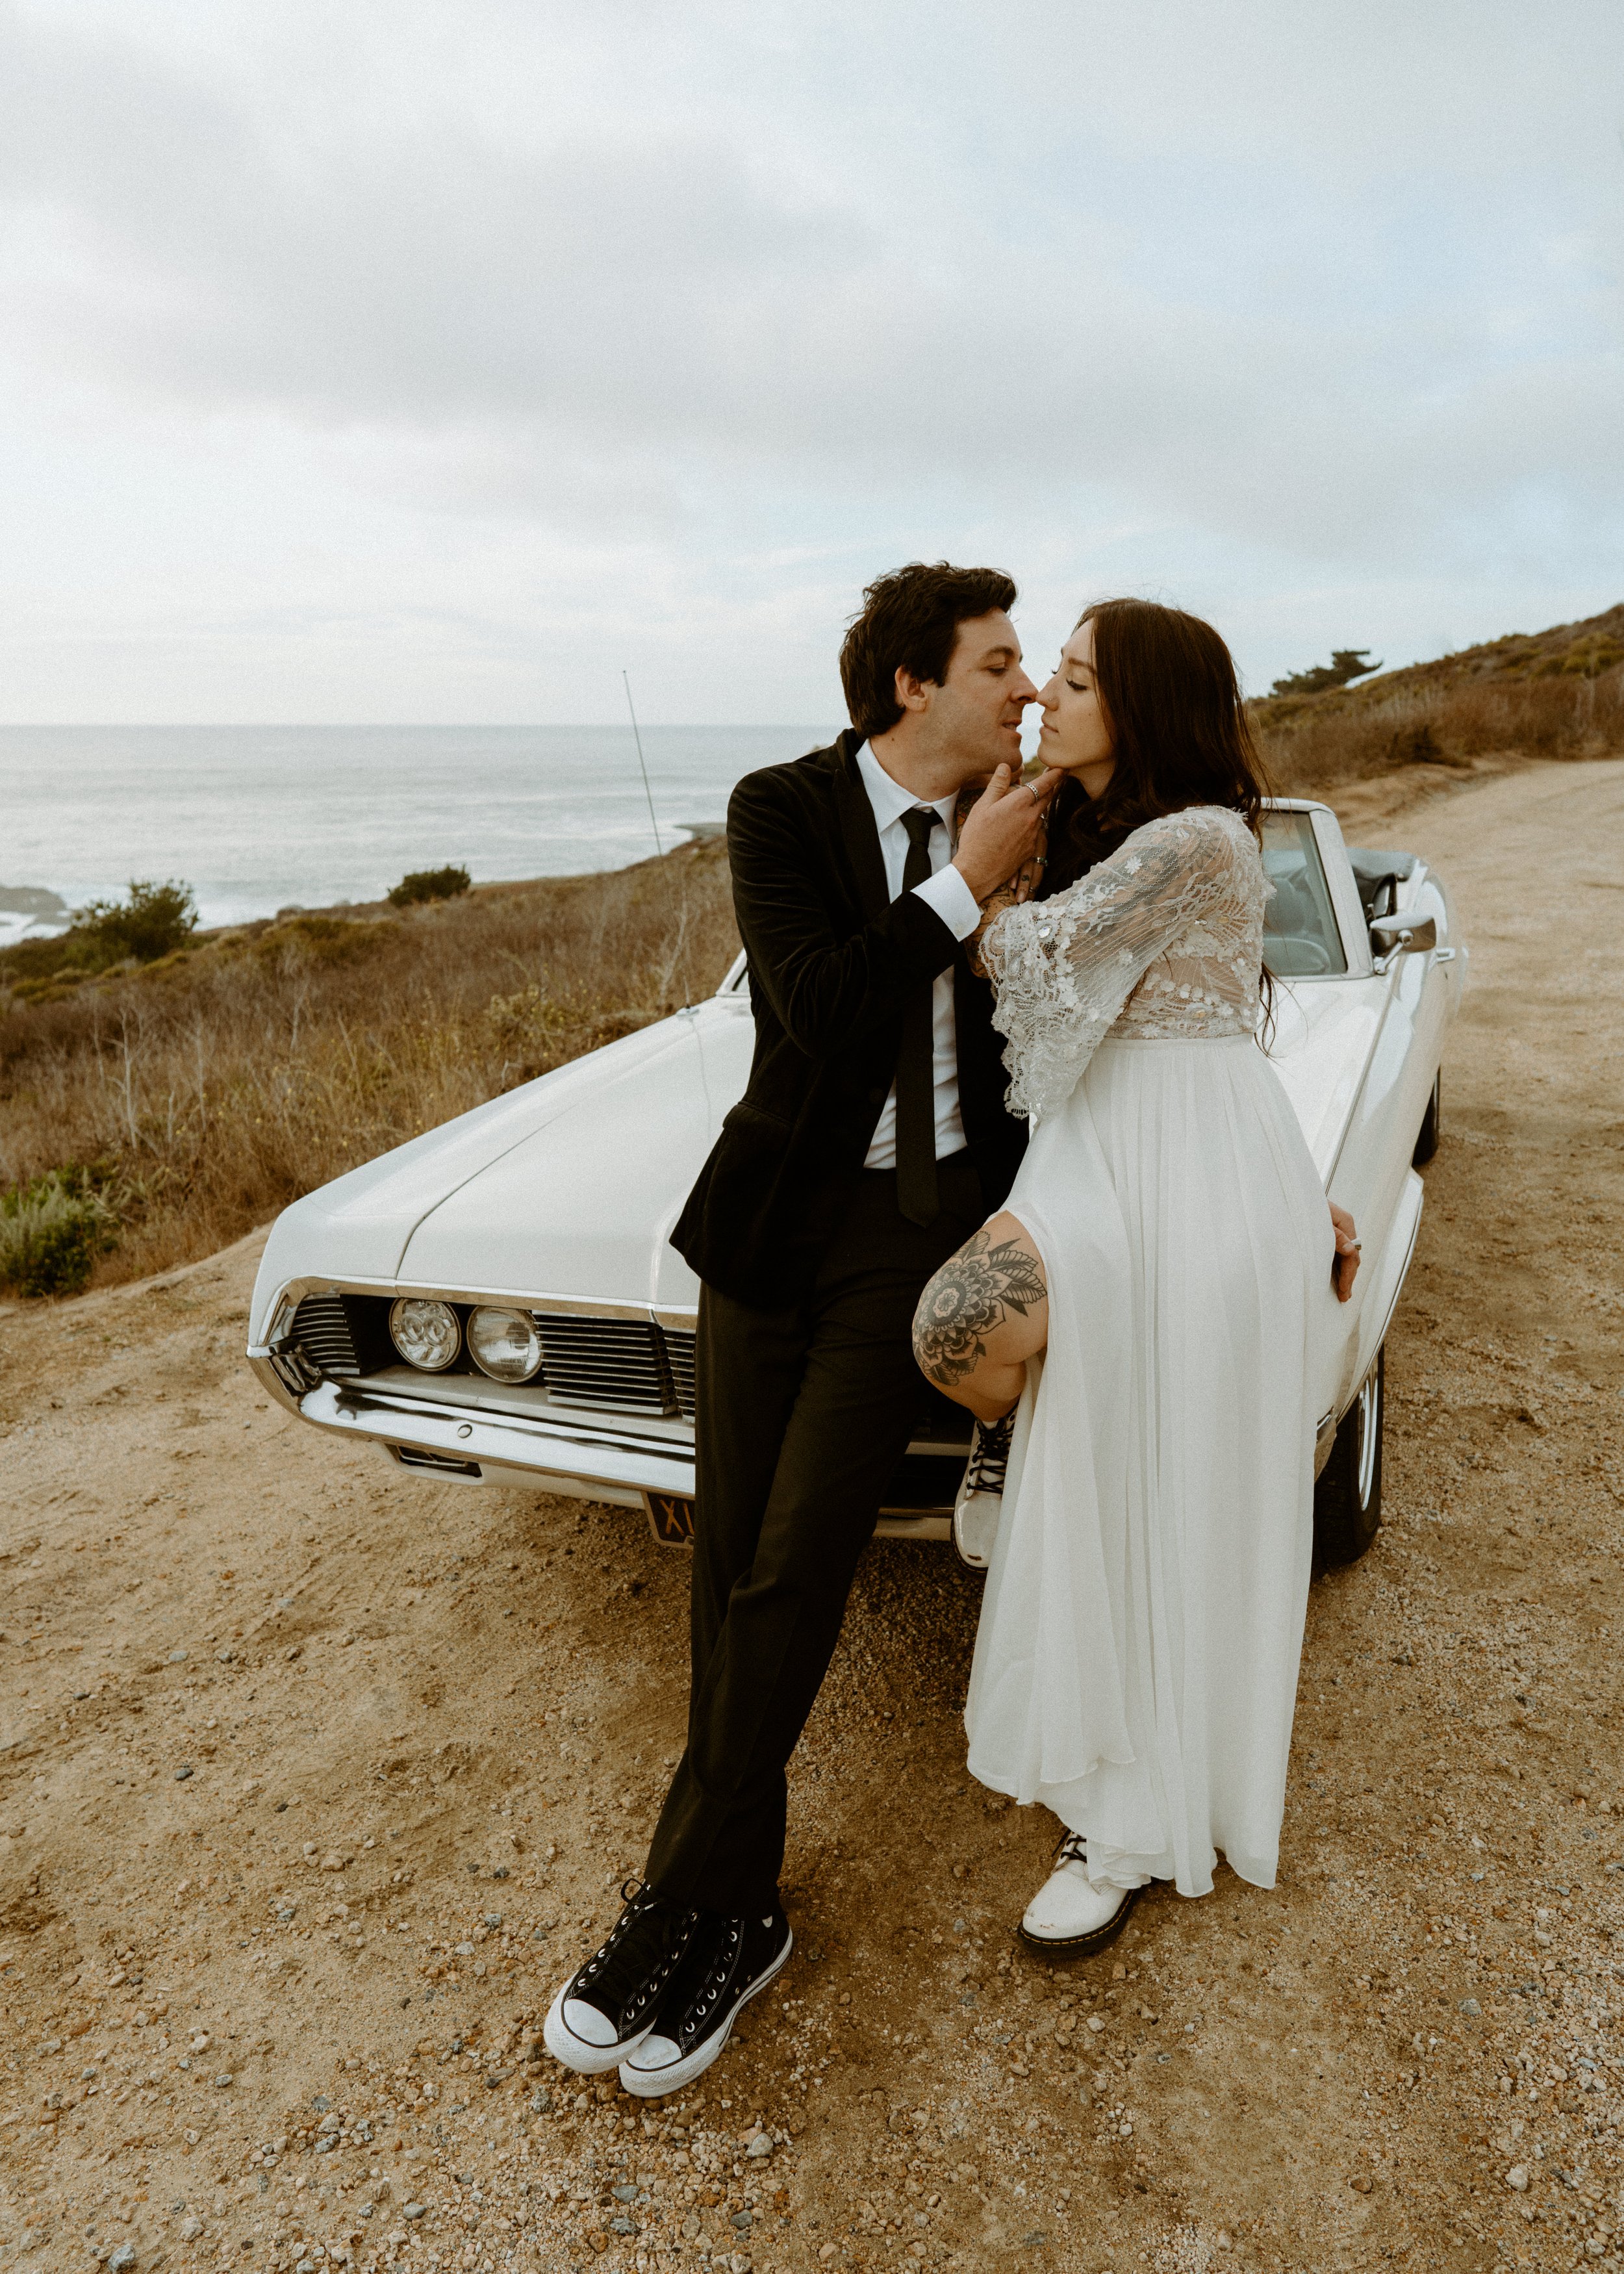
[[1071, 1917]]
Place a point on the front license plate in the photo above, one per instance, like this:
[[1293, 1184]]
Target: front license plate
[[670, 1518]]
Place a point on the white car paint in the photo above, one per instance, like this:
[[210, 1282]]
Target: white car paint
[[560, 1198]]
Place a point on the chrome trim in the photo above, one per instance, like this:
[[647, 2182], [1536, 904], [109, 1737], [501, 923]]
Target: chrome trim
[[1386, 980], [523, 1401], [1340, 883], [582, 1451], [680, 1315], [615, 1460], [1368, 1411], [293, 1367], [1402, 935], [1324, 1437]]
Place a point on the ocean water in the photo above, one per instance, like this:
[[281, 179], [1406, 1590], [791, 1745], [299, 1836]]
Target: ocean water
[[256, 819]]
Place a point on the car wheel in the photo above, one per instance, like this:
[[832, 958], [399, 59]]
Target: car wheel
[[1426, 1143], [1347, 1496]]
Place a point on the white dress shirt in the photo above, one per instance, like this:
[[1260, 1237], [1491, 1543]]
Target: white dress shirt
[[946, 892]]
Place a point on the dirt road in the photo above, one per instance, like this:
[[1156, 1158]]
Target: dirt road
[[314, 1783]]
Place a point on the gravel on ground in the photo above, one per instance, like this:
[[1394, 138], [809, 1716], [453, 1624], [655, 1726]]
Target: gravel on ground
[[314, 1782]]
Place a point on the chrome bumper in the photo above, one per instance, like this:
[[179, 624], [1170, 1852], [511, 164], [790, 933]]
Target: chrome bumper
[[616, 1461], [602, 1461]]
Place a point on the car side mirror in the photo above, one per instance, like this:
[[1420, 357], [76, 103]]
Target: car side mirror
[[1392, 937]]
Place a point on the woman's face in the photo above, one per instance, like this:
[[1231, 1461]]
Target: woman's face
[[1075, 736]]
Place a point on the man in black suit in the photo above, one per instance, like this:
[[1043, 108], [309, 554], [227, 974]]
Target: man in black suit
[[871, 1140]]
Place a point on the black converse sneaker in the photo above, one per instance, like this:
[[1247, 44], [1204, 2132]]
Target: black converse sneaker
[[979, 1502], [728, 1961], [608, 2008]]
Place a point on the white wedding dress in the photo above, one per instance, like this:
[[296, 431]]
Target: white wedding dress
[[1136, 1662]]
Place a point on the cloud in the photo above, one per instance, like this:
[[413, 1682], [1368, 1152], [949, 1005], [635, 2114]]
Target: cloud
[[1229, 300]]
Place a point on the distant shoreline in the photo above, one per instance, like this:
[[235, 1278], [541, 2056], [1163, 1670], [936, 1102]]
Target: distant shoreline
[[35, 911]]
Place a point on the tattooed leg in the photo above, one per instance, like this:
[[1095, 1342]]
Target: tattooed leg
[[982, 1316]]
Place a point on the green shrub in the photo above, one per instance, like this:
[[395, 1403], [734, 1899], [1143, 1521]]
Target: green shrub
[[51, 1232], [154, 920], [1346, 664], [430, 885]]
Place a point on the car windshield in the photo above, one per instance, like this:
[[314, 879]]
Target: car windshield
[[1300, 936]]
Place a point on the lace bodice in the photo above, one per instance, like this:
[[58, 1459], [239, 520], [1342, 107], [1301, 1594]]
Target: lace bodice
[[1165, 938]]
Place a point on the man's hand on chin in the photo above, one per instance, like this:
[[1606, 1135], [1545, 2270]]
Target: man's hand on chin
[[1023, 880], [1003, 830]]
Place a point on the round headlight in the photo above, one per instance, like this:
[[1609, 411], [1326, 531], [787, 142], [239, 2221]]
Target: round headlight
[[425, 1334], [504, 1344]]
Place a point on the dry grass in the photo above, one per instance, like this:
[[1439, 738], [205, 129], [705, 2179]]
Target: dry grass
[[209, 1090], [1559, 694], [205, 1092]]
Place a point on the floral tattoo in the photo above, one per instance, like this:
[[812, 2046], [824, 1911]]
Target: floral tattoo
[[974, 1292]]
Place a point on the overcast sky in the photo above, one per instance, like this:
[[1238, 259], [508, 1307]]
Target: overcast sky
[[382, 360]]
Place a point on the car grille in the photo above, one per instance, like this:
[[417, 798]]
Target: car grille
[[622, 1366], [679, 1357], [625, 1365], [321, 1328]]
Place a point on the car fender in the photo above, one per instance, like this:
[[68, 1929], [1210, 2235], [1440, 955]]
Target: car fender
[[1391, 1268]]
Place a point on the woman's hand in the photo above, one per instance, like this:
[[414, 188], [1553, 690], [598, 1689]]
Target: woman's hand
[[1347, 1264], [1009, 894], [1000, 832]]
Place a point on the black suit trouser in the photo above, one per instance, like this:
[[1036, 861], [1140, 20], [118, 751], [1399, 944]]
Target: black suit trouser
[[803, 1415]]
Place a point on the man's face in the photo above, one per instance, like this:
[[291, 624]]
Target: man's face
[[973, 717]]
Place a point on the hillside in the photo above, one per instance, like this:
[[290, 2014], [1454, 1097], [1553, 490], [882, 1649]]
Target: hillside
[[151, 1113], [1554, 694]]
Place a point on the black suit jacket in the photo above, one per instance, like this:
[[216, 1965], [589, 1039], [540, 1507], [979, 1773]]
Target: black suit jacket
[[830, 960]]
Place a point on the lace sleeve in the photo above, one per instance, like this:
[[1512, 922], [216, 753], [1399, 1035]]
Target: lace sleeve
[[1064, 968]]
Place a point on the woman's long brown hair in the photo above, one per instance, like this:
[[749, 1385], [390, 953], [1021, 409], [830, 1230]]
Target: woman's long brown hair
[[1179, 734]]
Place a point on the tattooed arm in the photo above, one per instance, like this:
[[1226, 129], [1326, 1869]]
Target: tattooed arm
[[974, 1293]]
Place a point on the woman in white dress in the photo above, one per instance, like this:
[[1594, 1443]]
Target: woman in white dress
[[1142, 1315]]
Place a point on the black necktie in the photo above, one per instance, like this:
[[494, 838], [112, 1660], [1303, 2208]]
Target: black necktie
[[916, 1106]]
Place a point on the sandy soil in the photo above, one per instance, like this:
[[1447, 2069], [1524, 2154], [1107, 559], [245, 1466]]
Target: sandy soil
[[313, 1783]]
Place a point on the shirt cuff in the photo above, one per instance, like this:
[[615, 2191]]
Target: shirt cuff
[[947, 895]]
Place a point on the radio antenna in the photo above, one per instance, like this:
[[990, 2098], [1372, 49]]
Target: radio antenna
[[644, 764]]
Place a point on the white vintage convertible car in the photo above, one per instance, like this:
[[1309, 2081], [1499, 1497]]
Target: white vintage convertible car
[[496, 1301]]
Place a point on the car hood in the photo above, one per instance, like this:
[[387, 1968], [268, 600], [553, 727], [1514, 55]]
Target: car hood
[[566, 1186], [569, 1186]]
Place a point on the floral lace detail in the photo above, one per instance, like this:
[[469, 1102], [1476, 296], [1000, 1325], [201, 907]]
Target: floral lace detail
[[1165, 938]]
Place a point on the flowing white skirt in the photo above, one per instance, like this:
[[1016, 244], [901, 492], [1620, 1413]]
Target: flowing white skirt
[[1136, 1662]]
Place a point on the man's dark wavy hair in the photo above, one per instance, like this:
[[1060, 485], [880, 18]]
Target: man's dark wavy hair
[[1179, 734], [910, 623]]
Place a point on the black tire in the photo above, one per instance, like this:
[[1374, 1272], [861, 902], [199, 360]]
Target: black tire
[[1347, 1496], [1426, 1142]]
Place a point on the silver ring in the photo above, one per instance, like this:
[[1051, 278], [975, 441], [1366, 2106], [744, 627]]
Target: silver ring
[[1036, 800]]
